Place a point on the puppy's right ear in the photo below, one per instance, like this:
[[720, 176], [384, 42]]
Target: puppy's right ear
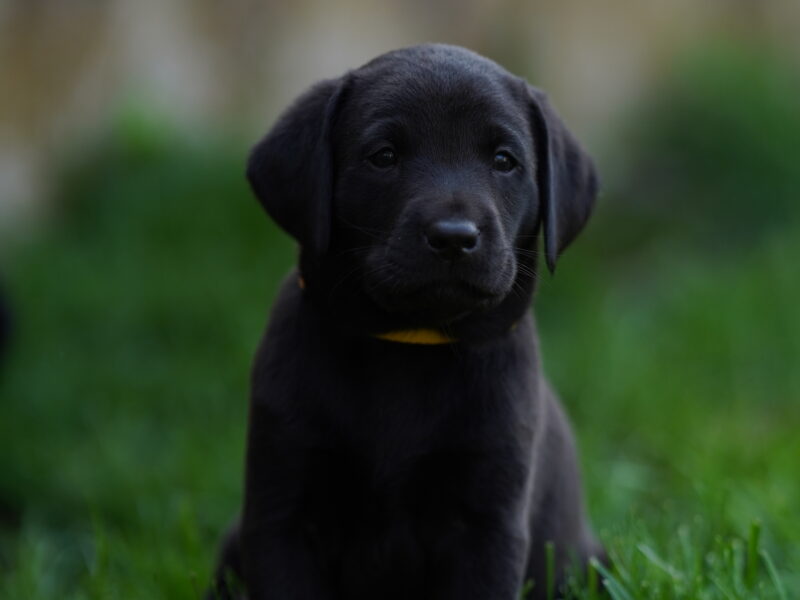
[[291, 169]]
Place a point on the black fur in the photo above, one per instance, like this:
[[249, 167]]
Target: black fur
[[5, 326], [377, 469]]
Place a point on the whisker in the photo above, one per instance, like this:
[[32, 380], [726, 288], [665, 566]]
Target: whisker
[[526, 270], [526, 251], [369, 231], [383, 268], [351, 250], [346, 276]]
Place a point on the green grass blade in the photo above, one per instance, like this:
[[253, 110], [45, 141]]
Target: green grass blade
[[773, 573], [592, 583], [656, 560], [527, 588], [615, 589], [752, 553], [550, 552], [723, 589]]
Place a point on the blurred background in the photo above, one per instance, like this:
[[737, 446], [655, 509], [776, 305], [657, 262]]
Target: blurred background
[[136, 274]]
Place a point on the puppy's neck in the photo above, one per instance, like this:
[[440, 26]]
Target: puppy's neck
[[355, 314]]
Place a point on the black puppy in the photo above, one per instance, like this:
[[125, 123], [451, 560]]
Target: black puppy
[[403, 441]]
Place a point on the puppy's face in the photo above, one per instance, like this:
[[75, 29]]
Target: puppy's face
[[425, 175], [434, 185]]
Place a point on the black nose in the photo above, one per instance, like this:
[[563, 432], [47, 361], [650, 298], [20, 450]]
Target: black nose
[[452, 238]]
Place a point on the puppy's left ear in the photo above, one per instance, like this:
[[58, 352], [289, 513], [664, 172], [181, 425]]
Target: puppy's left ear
[[565, 176], [291, 169]]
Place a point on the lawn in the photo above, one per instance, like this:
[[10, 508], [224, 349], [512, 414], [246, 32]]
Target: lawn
[[138, 308]]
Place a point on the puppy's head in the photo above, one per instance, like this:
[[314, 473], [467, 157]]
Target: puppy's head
[[422, 180]]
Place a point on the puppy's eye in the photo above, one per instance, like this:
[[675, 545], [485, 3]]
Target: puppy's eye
[[504, 162], [384, 158]]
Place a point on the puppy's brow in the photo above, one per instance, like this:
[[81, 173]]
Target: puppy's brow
[[386, 130], [502, 134]]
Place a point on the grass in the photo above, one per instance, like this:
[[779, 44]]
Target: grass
[[124, 400]]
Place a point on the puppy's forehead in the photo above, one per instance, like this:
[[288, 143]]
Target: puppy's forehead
[[424, 80]]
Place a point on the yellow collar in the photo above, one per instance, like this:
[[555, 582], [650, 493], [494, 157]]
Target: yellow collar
[[423, 337]]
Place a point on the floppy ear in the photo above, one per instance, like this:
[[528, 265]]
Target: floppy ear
[[291, 169], [565, 176]]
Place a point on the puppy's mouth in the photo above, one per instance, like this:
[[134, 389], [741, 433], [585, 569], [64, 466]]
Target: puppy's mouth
[[440, 297]]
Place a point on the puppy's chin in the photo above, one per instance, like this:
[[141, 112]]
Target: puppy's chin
[[436, 303], [441, 300]]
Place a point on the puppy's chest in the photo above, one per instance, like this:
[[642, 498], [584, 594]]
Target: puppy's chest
[[410, 464], [397, 432], [395, 453], [379, 514]]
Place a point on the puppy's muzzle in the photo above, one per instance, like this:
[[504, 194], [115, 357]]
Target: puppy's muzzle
[[451, 239]]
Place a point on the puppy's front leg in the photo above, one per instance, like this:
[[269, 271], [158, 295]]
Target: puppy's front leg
[[488, 564], [278, 562], [278, 565]]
